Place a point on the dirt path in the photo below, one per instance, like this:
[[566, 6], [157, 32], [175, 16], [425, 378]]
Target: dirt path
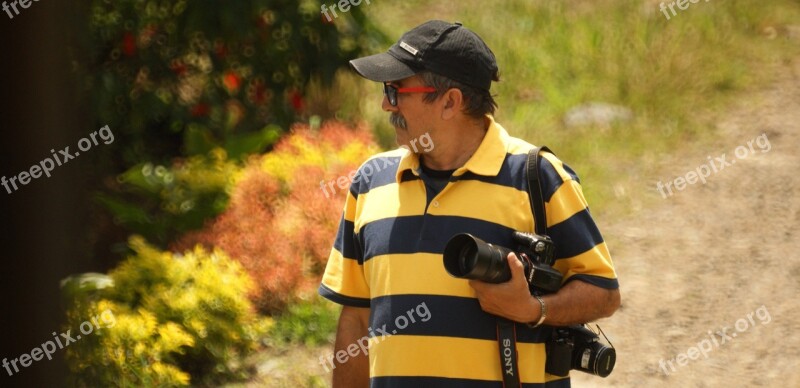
[[713, 254]]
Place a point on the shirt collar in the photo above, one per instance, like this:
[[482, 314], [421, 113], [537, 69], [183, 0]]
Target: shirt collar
[[487, 159]]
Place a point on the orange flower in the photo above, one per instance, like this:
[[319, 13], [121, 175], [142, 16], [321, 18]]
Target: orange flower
[[281, 228]]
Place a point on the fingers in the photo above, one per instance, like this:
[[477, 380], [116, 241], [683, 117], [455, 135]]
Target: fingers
[[517, 269]]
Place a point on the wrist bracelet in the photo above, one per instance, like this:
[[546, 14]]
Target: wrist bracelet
[[543, 314]]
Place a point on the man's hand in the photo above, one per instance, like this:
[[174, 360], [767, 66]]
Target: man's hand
[[511, 299], [576, 302]]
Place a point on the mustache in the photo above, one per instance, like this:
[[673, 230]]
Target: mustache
[[398, 121]]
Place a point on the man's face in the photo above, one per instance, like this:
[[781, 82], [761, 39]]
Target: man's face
[[412, 118]]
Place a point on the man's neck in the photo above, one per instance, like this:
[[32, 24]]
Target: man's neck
[[457, 146]]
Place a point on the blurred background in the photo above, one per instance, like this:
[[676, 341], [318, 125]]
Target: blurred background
[[203, 226]]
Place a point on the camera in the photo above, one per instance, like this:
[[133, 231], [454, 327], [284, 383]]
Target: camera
[[466, 256], [577, 347], [572, 347]]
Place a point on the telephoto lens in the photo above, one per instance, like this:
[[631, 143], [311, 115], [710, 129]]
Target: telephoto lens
[[466, 256]]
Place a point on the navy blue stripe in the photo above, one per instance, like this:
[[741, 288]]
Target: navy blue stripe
[[426, 233], [335, 297], [376, 172], [407, 176], [571, 172], [443, 382], [511, 174], [549, 179], [599, 281], [575, 235], [444, 317], [344, 240]]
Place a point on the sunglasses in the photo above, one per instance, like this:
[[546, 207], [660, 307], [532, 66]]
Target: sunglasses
[[392, 91]]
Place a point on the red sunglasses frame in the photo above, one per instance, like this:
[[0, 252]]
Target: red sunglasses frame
[[415, 89]]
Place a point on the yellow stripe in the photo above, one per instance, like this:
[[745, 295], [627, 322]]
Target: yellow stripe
[[558, 165], [517, 146], [466, 358], [419, 273], [391, 201], [596, 261], [565, 202], [499, 204], [345, 276], [350, 207]]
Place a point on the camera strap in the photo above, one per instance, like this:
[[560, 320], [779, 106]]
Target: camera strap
[[507, 339], [535, 190], [506, 330]]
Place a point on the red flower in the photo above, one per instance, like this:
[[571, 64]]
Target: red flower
[[326, 19], [221, 50], [297, 101], [231, 81], [200, 110], [128, 44], [178, 67], [258, 93]]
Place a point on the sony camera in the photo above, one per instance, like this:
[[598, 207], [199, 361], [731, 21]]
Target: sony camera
[[577, 347], [573, 347], [466, 256]]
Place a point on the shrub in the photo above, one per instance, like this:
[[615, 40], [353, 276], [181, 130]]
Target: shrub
[[279, 224], [178, 319], [163, 202], [309, 322], [178, 78]]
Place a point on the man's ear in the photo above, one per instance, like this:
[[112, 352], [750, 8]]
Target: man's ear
[[452, 101]]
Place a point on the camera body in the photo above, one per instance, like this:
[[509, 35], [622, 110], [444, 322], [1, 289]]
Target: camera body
[[572, 347], [576, 347]]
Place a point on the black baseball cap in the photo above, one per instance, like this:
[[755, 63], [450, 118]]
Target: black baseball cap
[[447, 49]]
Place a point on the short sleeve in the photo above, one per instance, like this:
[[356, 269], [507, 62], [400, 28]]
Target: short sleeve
[[580, 251], [344, 281]]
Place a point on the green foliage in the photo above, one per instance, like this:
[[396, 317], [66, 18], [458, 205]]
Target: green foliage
[[308, 322], [177, 319], [161, 202], [182, 77]]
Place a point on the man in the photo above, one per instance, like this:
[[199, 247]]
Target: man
[[387, 258]]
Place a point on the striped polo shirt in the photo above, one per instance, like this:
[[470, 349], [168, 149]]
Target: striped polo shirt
[[388, 256]]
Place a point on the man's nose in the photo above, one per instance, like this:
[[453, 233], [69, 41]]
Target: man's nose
[[386, 106]]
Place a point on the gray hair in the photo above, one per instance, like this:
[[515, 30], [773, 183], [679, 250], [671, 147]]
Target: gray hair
[[477, 102]]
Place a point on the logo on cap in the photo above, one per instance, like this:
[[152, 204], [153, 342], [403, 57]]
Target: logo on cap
[[408, 48]]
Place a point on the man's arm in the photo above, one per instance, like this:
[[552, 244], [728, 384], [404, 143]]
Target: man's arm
[[353, 326], [577, 302]]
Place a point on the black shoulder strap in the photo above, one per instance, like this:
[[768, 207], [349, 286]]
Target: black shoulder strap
[[506, 330], [535, 189]]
